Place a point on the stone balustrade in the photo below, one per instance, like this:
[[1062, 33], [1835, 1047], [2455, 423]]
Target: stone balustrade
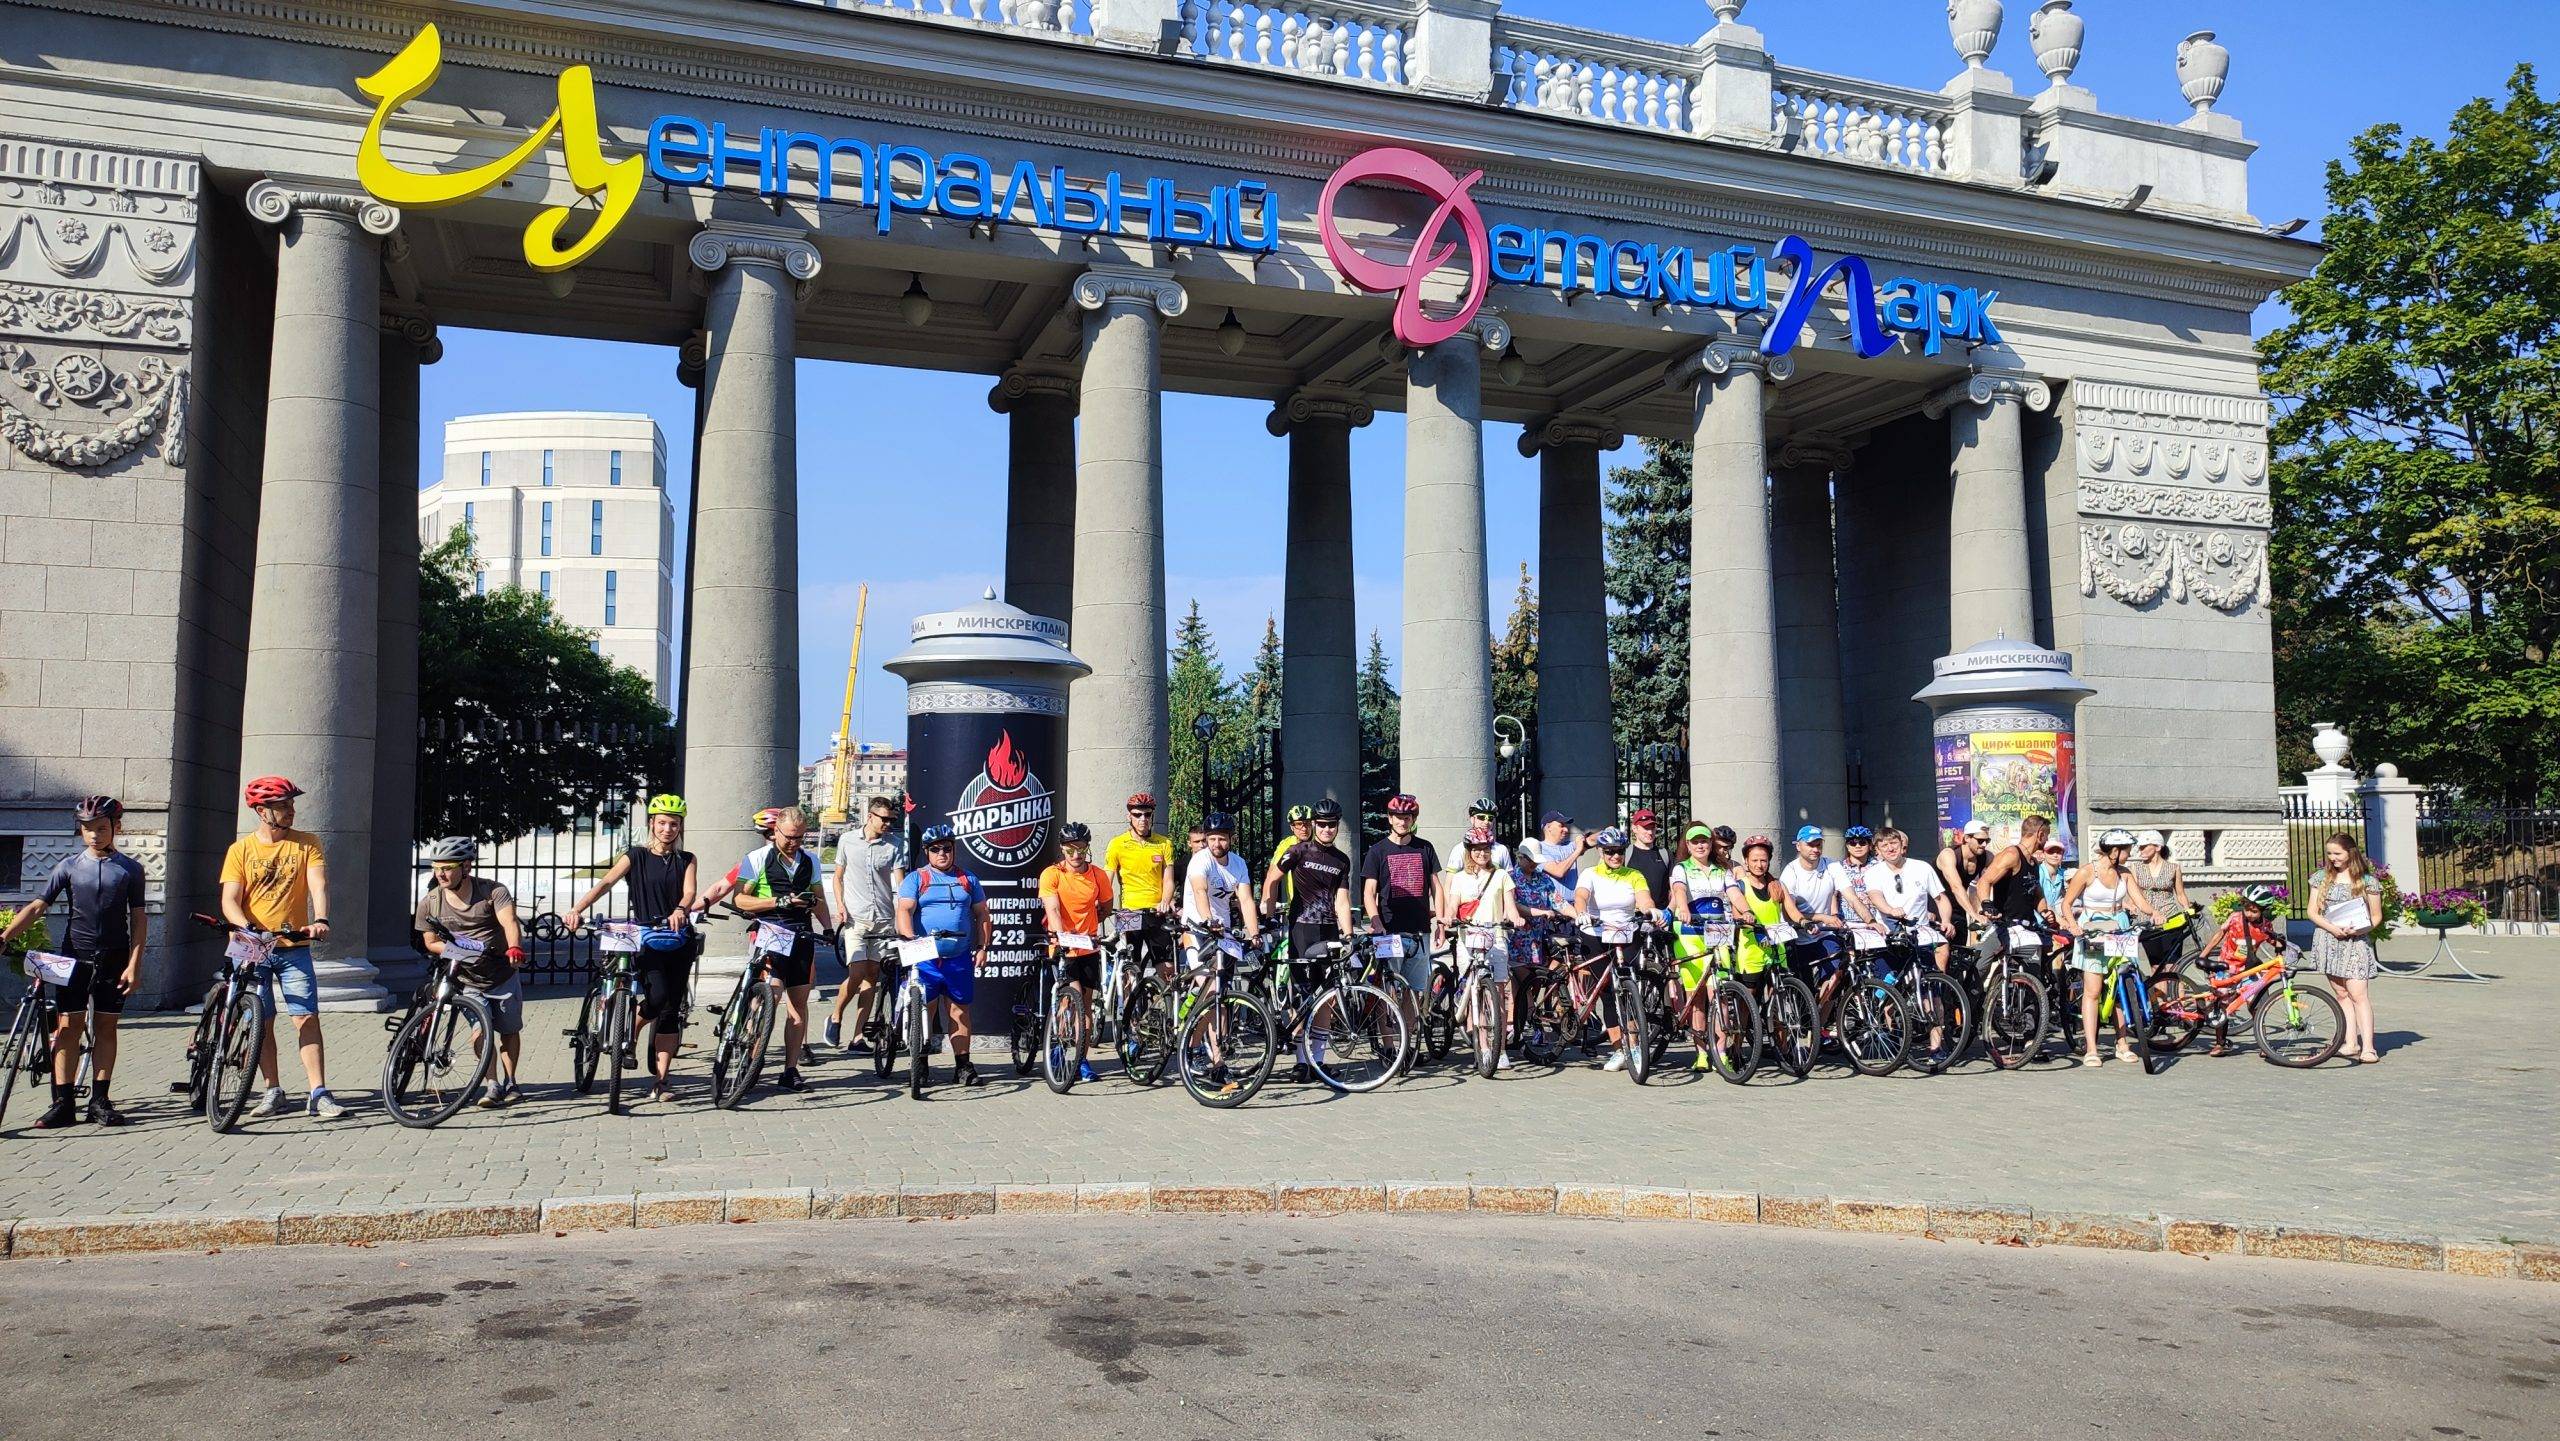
[[1363, 43], [1563, 70], [1065, 17], [1850, 120]]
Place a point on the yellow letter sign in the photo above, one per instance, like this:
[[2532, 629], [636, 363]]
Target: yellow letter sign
[[581, 143]]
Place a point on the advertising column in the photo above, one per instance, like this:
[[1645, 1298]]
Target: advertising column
[[986, 745], [2002, 726]]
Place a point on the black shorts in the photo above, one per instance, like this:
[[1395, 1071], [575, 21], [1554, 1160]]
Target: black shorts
[[94, 986], [798, 968], [1082, 968]]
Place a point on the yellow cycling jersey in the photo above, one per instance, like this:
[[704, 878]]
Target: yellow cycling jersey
[[1137, 868]]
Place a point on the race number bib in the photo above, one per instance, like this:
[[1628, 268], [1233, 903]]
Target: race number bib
[[1480, 938], [618, 938], [1617, 934], [1075, 945], [772, 938], [52, 969], [921, 951], [1390, 948], [248, 950], [2025, 943], [1927, 936], [1779, 932], [465, 946], [1867, 940], [2122, 945], [1716, 933]]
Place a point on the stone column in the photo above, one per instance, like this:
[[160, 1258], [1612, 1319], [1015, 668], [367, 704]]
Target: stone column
[[690, 359], [1989, 591], [1445, 745], [742, 679], [309, 694], [408, 341], [1040, 494], [1319, 625], [1116, 716], [1814, 746], [1733, 662], [1577, 753]]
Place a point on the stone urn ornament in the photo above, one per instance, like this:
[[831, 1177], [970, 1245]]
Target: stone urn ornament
[[1975, 27], [1728, 12], [2056, 34], [2202, 67], [2329, 743]]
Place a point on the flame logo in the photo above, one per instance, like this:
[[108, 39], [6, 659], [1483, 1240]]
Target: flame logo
[[1006, 766], [1414, 171]]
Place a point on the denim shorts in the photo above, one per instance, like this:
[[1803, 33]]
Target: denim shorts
[[1415, 964], [299, 983], [506, 1005]]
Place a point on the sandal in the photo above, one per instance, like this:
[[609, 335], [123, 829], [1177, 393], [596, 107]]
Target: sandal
[[2093, 1060]]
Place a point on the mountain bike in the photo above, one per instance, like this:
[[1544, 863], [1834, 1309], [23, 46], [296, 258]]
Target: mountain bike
[[2009, 995], [1479, 998], [1227, 1037], [441, 1047], [608, 1028], [1939, 1008], [236, 1014], [1647, 1020], [1580, 988], [1047, 1030], [1868, 1010], [2128, 993], [911, 1020], [742, 1026], [1791, 1019], [1437, 1021], [29, 1049], [1729, 1036], [2297, 1026], [1350, 1033]]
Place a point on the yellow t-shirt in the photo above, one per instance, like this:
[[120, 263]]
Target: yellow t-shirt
[[1288, 884], [276, 875], [1137, 868]]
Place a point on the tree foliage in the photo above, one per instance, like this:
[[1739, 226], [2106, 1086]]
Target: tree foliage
[[1515, 658], [1648, 581], [1262, 683], [526, 726], [2417, 546], [1381, 723], [1198, 686]]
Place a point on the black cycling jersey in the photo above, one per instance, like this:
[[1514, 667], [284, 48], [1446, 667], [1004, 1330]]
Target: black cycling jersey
[[1319, 872], [2016, 895], [655, 883], [105, 891]]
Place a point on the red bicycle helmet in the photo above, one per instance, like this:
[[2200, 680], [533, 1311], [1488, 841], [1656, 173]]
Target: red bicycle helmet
[[267, 790], [1403, 805], [98, 808], [1141, 802]]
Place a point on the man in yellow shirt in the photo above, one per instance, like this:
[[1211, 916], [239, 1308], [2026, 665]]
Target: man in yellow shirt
[[273, 879], [1141, 867]]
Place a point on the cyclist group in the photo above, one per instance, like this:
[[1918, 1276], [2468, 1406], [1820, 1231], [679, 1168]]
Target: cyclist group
[[1594, 889]]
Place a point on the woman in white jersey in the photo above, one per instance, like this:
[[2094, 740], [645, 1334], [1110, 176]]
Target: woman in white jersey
[[2102, 900]]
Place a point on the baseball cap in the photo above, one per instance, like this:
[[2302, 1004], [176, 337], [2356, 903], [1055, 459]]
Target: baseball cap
[[1642, 817], [1555, 817], [1978, 828], [1808, 833], [1697, 833]]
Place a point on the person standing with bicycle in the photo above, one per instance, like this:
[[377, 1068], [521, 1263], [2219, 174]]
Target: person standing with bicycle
[[2101, 901], [779, 882], [274, 880], [869, 868], [1612, 897], [1477, 898], [1314, 876], [1075, 894], [946, 903], [1400, 889], [472, 922], [1141, 867], [108, 928], [660, 878]]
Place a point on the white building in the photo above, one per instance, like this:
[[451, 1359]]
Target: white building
[[571, 503]]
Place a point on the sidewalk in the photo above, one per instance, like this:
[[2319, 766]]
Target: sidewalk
[[2450, 1137]]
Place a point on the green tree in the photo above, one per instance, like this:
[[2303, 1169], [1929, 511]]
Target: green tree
[[2417, 546], [1199, 686], [1515, 658], [1262, 683], [1381, 720], [526, 726], [1648, 547]]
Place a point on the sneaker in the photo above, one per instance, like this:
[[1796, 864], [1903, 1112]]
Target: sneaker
[[969, 1075], [1084, 1070], [321, 1106], [64, 1112], [808, 1054], [270, 1104], [1702, 1065], [1617, 1061], [860, 1047], [792, 1081], [506, 1095], [1504, 1063], [103, 1113], [1302, 1073], [835, 1033]]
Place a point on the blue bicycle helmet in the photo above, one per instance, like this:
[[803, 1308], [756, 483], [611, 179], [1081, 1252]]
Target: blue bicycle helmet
[[938, 835], [1612, 839], [1858, 833]]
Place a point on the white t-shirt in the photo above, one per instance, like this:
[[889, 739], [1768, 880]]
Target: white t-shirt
[[1816, 888], [1904, 890], [1222, 879], [1537, 853], [1487, 890]]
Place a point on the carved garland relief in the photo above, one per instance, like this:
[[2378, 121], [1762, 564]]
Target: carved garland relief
[[2149, 456]]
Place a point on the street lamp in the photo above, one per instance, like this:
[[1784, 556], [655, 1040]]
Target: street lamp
[[1204, 726], [1508, 746]]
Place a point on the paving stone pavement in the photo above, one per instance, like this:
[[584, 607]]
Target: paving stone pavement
[[2451, 1136]]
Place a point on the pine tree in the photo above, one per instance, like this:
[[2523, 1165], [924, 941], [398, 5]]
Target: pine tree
[[1648, 544], [1198, 686], [1515, 658], [1262, 683], [1381, 716]]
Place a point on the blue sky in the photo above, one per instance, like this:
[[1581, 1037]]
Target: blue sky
[[2305, 76]]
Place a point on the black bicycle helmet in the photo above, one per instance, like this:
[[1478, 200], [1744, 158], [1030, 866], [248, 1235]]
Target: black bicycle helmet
[[1219, 823], [1075, 833], [1328, 809], [98, 808]]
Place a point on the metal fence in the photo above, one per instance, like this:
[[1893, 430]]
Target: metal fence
[[1247, 786], [1654, 777], [2307, 829], [2510, 857]]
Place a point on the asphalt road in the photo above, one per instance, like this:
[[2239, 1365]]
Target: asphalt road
[[1318, 1328]]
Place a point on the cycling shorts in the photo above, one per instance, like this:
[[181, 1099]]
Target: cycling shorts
[[1082, 968], [663, 977], [951, 978], [798, 968], [96, 985]]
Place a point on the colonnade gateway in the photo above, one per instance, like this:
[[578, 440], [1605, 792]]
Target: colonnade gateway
[[1958, 364]]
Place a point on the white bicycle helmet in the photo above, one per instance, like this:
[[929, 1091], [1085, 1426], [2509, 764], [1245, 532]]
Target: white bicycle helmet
[[453, 848]]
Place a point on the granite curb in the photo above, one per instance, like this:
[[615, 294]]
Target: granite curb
[[62, 1237]]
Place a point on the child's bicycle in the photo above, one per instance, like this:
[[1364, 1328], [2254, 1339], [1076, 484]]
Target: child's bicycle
[[2298, 1026]]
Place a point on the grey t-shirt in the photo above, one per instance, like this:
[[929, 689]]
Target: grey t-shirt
[[868, 869], [475, 920]]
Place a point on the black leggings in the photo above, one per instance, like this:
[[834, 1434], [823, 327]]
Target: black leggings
[[663, 978]]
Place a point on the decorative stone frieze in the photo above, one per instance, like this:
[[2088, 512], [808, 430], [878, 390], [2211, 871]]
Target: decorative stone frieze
[[2141, 564]]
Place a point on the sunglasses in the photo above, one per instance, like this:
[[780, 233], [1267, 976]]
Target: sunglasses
[[1328, 825], [938, 845]]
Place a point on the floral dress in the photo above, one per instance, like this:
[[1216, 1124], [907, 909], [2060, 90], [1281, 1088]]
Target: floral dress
[[1530, 886], [2346, 958]]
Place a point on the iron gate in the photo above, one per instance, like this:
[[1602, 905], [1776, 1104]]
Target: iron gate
[[1654, 777], [1247, 785]]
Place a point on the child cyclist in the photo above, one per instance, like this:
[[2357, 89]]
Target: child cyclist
[[2245, 940]]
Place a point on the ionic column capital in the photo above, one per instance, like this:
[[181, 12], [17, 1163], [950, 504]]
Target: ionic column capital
[[693, 358], [1563, 430], [276, 201], [412, 324], [1304, 406], [1104, 287], [1827, 453], [722, 243], [1988, 388], [1020, 383], [1718, 359]]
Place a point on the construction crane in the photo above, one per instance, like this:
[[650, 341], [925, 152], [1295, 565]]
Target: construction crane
[[840, 794]]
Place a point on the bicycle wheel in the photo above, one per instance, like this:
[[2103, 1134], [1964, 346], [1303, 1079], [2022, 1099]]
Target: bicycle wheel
[[1146, 1035], [1942, 1024], [2298, 1026], [621, 1035], [742, 1041], [2013, 1020], [2133, 1015], [2178, 1011], [1238, 1030], [1355, 1037], [587, 1043], [1875, 1028], [1733, 1031], [14, 1057], [884, 1052], [1794, 1034], [1063, 1051], [918, 1013], [1635, 1024], [1484, 1024], [433, 1066], [201, 1043], [235, 1060]]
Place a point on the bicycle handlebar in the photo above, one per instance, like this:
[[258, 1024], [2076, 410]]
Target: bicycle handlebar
[[298, 933]]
